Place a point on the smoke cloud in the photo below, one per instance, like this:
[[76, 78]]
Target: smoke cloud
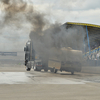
[[20, 15], [55, 39]]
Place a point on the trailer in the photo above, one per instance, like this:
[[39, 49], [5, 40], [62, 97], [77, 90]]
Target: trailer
[[69, 60]]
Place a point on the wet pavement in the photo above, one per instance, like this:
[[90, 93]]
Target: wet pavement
[[34, 77], [18, 84], [13, 78]]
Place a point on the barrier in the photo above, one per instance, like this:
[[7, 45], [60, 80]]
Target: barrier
[[92, 51]]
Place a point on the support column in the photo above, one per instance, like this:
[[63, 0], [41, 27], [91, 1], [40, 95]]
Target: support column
[[88, 39], [84, 43]]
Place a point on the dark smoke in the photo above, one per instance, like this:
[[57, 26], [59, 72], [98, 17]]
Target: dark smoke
[[13, 9], [19, 12], [5, 1], [57, 37]]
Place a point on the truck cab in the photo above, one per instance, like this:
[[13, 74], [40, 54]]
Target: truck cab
[[29, 55]]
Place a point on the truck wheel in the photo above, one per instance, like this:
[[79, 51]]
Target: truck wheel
[[72, 72], [45, 69], [55, 70], [52, 70], [28, 69]]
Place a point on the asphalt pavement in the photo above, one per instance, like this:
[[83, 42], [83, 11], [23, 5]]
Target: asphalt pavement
[[18, 84]]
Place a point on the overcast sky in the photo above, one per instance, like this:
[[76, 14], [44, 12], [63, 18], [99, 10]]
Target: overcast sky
[[85, 11], [62, 11]]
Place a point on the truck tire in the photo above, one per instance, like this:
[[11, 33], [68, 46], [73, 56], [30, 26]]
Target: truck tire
[[55, 70], [45, 69], [72, 72], [28, 69], [52, 69], [45, 65]]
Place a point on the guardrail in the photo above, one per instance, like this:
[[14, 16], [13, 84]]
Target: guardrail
[[8, 53]]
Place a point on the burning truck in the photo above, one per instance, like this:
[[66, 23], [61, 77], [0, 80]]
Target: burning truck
[[57, 48], [63, 59]]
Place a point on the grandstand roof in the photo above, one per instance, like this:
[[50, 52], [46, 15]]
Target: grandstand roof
[[92, 28], [83, 24]]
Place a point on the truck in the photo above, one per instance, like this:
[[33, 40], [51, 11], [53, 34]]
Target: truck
[[32, 59], [66, 59]]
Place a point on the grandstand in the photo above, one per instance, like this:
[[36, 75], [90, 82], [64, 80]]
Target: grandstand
[[91, 40]]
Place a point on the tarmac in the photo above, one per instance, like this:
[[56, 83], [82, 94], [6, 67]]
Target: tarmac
[[18, 84]]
